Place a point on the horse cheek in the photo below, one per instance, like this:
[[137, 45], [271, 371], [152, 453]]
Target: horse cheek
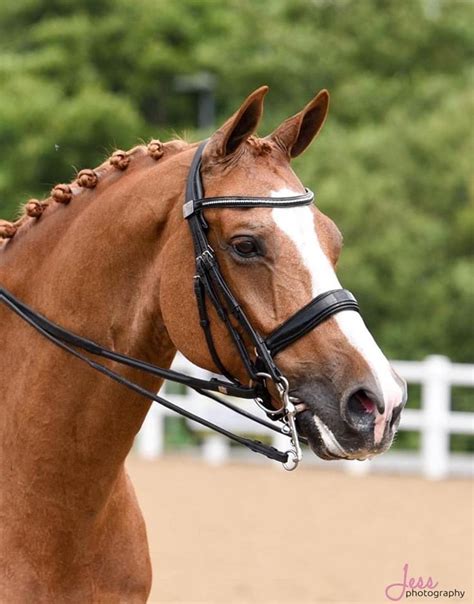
[[178, 306]]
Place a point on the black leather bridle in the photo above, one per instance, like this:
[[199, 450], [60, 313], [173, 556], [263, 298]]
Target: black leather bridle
[[209, 284]]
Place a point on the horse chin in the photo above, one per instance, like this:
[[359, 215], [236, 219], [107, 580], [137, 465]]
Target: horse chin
[[326, 445], [307, 427]]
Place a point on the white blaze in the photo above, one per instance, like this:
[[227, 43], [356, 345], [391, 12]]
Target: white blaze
[[298, 224]]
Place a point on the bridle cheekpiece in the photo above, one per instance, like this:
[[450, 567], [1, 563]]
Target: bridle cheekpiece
[[210, 284]]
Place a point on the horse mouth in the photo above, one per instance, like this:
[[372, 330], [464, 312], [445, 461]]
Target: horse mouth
[[317, 433], [322, 440]]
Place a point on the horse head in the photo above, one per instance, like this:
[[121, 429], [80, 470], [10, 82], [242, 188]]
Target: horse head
[[276, 260]]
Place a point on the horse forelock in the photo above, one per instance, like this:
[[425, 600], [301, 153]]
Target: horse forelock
[[86, 180], [260, 145]]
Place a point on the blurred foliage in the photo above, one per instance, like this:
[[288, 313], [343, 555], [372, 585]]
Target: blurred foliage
[[392, 166], [178, 435]]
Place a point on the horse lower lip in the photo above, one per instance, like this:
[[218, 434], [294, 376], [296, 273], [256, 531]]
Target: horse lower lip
[[331, 457], [315, 442]]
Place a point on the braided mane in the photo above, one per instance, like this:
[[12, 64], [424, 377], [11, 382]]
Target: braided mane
[[34, 209]]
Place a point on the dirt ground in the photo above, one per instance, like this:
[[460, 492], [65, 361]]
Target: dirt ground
[[256, 534]]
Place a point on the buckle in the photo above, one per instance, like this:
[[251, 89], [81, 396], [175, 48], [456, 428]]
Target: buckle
[[286, 414], [206, 258], [295, 455], [188, 208]]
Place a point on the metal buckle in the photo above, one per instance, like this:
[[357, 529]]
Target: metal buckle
[[267, 376], [206, 258], [295, 454], [188, 208]]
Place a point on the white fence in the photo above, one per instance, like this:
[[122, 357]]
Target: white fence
[[435, 421]]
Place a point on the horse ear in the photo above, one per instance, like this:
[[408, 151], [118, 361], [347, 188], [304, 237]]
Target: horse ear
[[297, 132], [239, 127]]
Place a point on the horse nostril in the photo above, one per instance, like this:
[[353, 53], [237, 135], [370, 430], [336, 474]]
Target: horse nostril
[[360, 409], [360, 403]]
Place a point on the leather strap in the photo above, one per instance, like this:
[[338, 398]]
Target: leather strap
[[70, 342], [196, 205], [310, 316], [57, 332]]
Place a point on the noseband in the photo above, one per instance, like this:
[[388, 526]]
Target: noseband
[[210, 285]]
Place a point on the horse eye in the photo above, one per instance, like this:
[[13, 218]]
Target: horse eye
[[245, 247]]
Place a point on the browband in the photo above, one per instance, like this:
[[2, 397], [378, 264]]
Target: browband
[[194, 205], [195, 201]]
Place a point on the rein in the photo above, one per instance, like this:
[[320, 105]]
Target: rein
[[70, 342], [209, 284]]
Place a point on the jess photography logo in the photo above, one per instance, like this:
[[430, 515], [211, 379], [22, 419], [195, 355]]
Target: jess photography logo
[[418, 587]]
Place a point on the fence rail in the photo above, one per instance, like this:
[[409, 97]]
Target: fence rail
[[435, 420]]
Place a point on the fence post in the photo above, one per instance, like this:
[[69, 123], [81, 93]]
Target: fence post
[[357, 468], [215, 449], [151, 437], [435, 400]]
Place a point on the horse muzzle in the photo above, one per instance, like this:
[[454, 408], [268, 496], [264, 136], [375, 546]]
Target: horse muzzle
[[355, 424]]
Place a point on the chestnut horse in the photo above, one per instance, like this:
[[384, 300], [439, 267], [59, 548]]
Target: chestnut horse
[[110, 257]]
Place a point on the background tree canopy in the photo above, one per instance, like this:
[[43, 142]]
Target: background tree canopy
[[391, 166]]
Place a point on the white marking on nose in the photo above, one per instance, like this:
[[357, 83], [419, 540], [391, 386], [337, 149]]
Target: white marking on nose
[[330, 441], [298, 224]]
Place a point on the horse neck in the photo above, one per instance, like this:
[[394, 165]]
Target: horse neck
[[94, 268]]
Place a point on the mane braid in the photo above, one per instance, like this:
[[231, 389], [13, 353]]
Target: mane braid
[[33, 209]]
